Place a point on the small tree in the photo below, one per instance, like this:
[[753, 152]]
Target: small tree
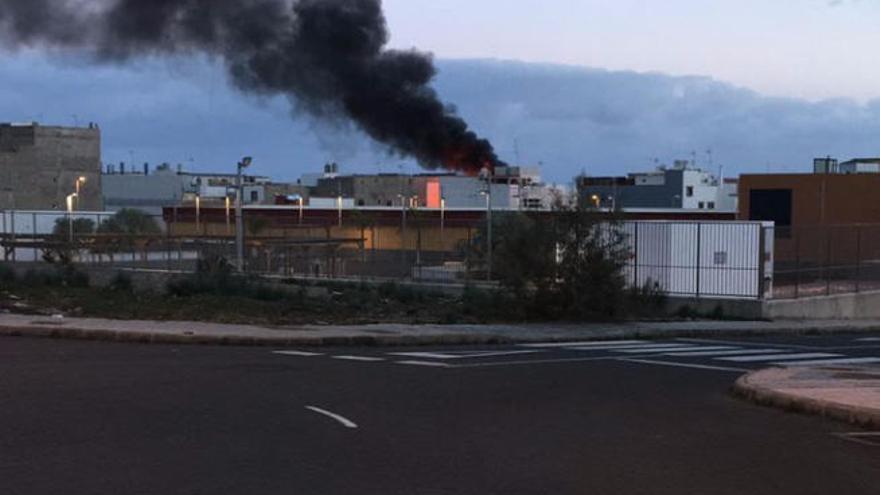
[[565, 264], [131, 222], [81, 226], [120, 231]]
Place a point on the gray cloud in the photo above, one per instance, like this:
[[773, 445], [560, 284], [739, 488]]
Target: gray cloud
[[568, 118]]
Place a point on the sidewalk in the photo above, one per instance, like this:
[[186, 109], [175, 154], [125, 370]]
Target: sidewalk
[[849, 394], [395, 334]]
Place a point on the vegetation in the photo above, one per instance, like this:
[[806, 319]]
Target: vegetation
[[567, 266], [81, 226], [131, 222]]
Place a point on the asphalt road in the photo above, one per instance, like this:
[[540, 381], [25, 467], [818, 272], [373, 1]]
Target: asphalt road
[[617, 418]]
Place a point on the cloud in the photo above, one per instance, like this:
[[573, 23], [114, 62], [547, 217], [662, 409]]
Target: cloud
[[567, 118]]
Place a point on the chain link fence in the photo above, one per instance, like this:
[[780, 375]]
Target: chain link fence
[[690, 259]]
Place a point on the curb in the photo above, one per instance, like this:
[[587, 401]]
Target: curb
[[455, 338], [766, 396], [245, 341]]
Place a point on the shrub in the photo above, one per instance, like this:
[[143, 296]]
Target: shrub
[[7, 274], [121, 282]]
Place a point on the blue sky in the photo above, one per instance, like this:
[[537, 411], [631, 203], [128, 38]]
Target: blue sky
[[578, 85]]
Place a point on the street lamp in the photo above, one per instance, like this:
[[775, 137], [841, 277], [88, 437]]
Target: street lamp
[[228, 209], [70, 199], [486, 173], [79, 182], [198, 214], [239, 225], [403, 200], [597, 201], [443, 227]]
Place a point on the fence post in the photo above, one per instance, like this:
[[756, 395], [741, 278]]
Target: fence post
[[34, 230], [5, 255], [635, 256], [797, 263], [699, 254], [828, 263], [762, 261]]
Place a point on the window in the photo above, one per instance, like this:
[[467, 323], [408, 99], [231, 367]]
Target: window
[[711, 205], [689, 192], [255, 196], [772, 205], [702, 205]]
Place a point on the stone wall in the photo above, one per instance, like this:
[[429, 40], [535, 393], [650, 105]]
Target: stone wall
[[39, 167]]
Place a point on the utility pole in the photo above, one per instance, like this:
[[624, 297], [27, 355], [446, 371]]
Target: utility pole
[[487, 173], [239, 224]]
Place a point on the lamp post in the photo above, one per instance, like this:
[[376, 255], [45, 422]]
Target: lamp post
[[70, 199], [487, 174], [79, 182], [339, 209], [228, 210], [239, 224], [443, 228], [403, 200], [301, 200], [198, 214]]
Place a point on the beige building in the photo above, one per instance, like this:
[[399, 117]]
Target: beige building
[[40, 166]]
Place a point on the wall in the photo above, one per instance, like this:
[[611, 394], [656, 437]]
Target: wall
[[148, 193], [39, 167], [864, 305], [820, 199]]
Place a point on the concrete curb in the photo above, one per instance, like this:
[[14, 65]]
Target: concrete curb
[[456, 336], [766, 396], [70, 333]]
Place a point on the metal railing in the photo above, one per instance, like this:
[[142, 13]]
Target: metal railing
[[826, 260], [691, 259]]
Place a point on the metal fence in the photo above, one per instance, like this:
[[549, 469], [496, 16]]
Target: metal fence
[[693, 259], [702, 259], [826, 260]]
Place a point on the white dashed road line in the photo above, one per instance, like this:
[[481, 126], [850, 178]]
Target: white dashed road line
[[432, 364], [341, 419], [366, 359], [298, 353]]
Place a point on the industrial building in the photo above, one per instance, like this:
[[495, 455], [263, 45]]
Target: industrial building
[[682, 186], [512, 188], [40, 166], [151, 190]]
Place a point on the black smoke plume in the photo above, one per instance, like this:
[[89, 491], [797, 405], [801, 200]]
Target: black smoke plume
[[328, 56]]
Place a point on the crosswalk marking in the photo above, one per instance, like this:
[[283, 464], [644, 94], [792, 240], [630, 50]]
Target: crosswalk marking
[[823, 362], [590, 343], [778, 357], [733, 352], [298, 353], [658, 347], [655, 350], [684, 365], [671, 350], [612, 347], [460, 354], [424, 363], [366, 359]]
